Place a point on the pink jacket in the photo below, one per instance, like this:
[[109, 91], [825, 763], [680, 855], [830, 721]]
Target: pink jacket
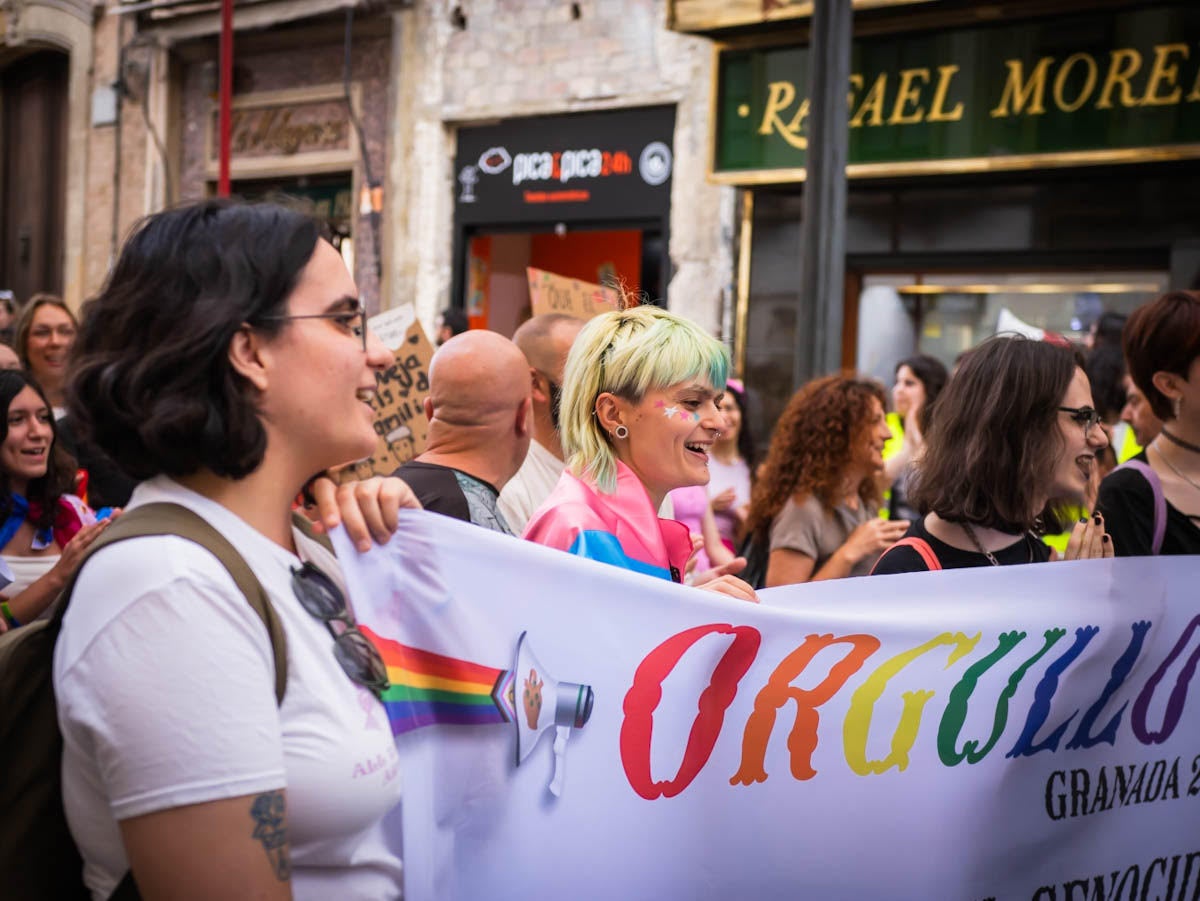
[[621, 528]]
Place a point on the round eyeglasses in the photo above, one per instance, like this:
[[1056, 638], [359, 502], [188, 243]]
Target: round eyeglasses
[[353, 319]]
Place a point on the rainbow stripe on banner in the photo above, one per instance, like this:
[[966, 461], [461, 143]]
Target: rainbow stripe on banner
[[429, 688]]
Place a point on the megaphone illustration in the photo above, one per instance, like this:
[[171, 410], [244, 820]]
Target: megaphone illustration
[[538, 701]]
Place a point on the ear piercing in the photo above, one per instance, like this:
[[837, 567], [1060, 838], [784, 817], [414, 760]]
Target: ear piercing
[[621, 432]]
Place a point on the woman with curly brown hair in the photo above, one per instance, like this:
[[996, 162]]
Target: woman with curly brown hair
[[815, 503]]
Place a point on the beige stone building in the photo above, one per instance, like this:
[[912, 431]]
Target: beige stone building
[[523, 64], [366, 109]]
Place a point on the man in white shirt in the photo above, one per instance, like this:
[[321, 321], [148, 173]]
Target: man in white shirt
[[545, 340]]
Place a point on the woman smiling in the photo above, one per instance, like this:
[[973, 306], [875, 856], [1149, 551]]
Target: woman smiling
[[639, 417], [45, 333], [224, 363], [44, 529], [816, 502]]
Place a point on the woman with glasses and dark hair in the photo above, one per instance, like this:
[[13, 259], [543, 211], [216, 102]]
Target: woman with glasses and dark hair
[[1012, 444], [1153, 501], [45, 333], [225, 361]]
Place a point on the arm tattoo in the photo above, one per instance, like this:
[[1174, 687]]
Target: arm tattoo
[[268, 812]]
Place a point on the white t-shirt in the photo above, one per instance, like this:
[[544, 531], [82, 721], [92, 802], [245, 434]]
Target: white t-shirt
[[27, 570], [164, 677], [532, 484]]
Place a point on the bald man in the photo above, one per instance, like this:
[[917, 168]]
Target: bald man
[[480, 425], [545, 341]]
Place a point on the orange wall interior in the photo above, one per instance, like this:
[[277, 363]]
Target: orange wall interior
[[590, 256]]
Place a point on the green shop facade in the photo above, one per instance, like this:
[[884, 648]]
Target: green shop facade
[[1011, 166]]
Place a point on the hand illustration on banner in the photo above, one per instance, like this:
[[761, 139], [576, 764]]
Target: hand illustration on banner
[[532, 697], [429, 689]]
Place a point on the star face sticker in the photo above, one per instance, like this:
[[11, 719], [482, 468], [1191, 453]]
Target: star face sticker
[[670, 411]]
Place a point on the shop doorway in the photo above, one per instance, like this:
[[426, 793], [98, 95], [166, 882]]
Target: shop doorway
[[33, 100], [495, 287]]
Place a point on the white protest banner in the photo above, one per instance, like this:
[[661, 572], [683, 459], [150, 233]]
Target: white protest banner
[[400, 394], [1023, 733], [550, 293]]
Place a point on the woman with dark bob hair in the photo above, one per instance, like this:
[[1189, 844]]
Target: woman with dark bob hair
[[1013, 441], [1153, 501], [44, 528], [815, 504], [225, 361]]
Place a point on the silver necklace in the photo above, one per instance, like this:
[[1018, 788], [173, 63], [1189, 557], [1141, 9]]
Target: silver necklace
[[1174, 468], [991, 558]]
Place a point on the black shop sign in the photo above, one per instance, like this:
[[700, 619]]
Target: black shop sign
[[587, 166]]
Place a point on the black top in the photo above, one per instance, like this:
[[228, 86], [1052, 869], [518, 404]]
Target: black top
[[108, 485], [1025, 549], [1127, 502]]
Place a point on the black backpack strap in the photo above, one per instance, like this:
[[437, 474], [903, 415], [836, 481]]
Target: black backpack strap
[[175, 519]]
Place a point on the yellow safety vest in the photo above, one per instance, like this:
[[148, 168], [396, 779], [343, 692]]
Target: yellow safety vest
[[1129, 446], [890, 449]]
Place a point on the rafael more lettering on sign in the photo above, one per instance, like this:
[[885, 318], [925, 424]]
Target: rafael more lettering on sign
[[1113, 87]]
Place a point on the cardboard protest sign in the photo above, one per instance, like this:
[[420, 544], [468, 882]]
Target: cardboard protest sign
[[550, 293], [400, 422]]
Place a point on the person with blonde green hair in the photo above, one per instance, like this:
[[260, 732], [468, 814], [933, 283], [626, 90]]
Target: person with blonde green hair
[[639, 417]]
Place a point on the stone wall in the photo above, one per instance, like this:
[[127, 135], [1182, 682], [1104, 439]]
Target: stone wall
[[298, 67], [107, 227], [509, 58]]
